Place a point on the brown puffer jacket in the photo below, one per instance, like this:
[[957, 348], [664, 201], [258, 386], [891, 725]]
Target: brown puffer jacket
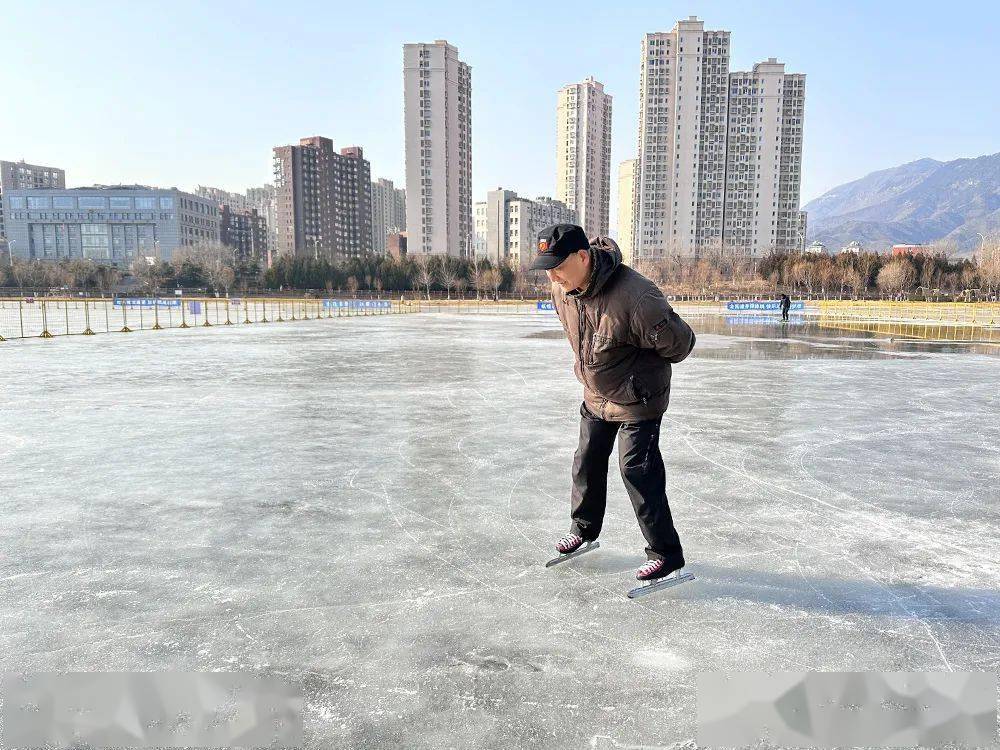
[[624, 335]]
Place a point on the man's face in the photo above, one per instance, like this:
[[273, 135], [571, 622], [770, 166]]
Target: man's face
[[571, 273]]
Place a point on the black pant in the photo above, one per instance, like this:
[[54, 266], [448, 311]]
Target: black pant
[[645, 479]]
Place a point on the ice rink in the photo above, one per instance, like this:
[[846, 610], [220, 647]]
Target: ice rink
[[363, 507]]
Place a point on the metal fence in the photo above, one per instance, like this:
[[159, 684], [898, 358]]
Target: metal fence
[[48, 317], [943, 321]]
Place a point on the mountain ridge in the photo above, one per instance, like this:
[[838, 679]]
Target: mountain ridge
[[919, 202]]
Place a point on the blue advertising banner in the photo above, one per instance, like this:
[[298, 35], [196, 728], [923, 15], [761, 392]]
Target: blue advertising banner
[[762, 305], [765, 320], [546, 306], [376, 303], [145, 302], [194, 308]]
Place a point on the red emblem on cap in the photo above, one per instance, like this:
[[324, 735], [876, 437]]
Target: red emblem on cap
[[543, 245]]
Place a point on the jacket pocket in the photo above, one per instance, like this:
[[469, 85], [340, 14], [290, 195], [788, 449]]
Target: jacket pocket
[[603, 352]]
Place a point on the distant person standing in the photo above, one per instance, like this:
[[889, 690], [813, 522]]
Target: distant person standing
[[786, 305]]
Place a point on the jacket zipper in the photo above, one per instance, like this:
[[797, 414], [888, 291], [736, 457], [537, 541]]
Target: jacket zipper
[[579, 353]]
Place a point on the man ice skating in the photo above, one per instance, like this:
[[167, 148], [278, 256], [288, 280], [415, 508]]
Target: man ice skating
[[786, 303], [625, 337]]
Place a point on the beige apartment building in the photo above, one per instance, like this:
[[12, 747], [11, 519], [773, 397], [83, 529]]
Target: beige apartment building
[[437, 97], [720, 153], [583, 153]]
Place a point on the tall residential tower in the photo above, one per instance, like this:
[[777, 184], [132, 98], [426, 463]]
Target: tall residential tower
[[719, 152], [437, 95], [583, 153]]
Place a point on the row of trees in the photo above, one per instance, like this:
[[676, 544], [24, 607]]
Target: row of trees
[[213, 267], [426, 274]]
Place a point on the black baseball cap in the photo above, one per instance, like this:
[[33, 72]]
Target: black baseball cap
[[556, 243]]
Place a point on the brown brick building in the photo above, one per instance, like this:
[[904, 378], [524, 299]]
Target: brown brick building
[[245, 231], [323, 200]]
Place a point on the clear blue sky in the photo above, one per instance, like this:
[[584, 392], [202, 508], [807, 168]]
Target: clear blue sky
[[184, 93]]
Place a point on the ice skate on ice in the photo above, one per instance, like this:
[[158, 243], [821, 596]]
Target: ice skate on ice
[[657, 575], [570, 546]]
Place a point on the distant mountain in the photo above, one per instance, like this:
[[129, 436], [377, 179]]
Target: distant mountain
[[919, 202]]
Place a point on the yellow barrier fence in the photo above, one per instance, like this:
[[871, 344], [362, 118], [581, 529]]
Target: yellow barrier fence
[[941, 321], [52, 316]]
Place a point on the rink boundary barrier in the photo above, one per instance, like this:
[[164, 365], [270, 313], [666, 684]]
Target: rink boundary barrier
[[54, 317]]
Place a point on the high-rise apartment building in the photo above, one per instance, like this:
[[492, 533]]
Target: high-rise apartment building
[[18, 175], [322, 200], [583, 153], [507, 225], [388, 212], [683, 88], [627, 182], [719, 153], [437, 95], [764, 168]]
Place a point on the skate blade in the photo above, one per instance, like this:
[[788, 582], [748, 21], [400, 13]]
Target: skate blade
[[660, 584], [570, 555]]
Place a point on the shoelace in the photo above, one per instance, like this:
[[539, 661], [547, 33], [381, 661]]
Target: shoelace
[[650, 567], [568, 541]]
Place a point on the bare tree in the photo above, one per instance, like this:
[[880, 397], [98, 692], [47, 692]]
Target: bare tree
[[851, 278], [522, 283], [481, 279], [897, 276], [449, 275], [460, 284], [989, 263], [425, 272], [352, 285], [494, 278], [213, 259], [144, 269]]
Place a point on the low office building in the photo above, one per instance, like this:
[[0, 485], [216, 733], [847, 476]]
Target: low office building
[[107, 224]]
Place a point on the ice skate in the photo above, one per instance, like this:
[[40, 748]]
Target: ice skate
[[657, 575], [570, 546]]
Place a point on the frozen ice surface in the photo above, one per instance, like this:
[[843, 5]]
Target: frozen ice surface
[[364, 508]]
